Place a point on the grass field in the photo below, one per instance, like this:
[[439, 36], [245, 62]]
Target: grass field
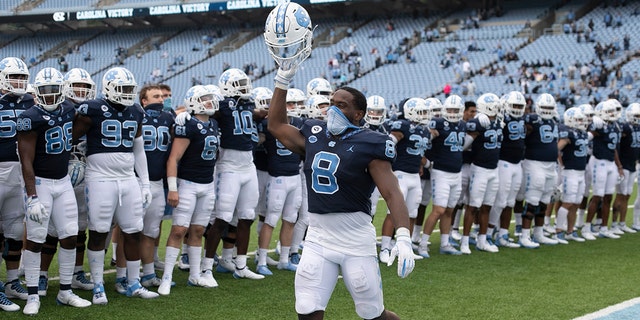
[[553, 282]]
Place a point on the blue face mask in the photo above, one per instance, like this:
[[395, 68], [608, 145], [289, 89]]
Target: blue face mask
[[337, 122], [166, 105]]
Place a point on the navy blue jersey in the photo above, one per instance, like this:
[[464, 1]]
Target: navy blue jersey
[[156, 132], [411, 148], [55, 136], [629, 146], [112, 130], [336, 168], [605, 141], [542, 142], [576, 153], [485, 149], [446, 148], [200, 157], [513, 135], [281, 161], [237, 128], [10, 109], [259, 151]]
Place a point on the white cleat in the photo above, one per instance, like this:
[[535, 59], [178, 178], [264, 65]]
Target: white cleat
[[626, 229], [247, 274], [68, 298], [99, 296], [608, 234], [207, 280], [6, 304], [33, 305], [455, 234], [464, 249], [423, 251], [526, 242], [80, 281], [561, 238], [450, 250], [165, 287], [384, 256], [137, 290], [544, 240], [150, 280], [487, 248], [287, 266], [225, 266], [15, 290], [504, 241], [617, 231], [574, 237]]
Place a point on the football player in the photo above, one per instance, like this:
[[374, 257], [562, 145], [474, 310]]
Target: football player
[[113, 126], [14, 77], [44, 147]]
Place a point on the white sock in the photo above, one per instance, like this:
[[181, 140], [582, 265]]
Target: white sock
[[195, 258], [66, 263], [502, 232], [561, 218], [96, 265], [114, 247], [284, 254], [415, 237], [444, 240], [385, 242], [526, 233], [207, 264], [121, 272], [464, 241], [241, 261], [262, 256], [425, 239], [31, 267], [227, 254], [170, 258], [148, 268], [580, 218], [133, 271]]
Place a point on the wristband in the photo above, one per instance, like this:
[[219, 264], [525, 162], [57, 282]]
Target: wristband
[[402, 232], [172, 183]]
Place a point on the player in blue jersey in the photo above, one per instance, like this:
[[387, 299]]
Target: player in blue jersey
[[589, 112], [484, 136], [376, 120], [194, 152], [509, 166], [539, 168], [607, 169], [470, 112], [113, 127], [448, 134], [284, 194], [14, 76], [343, 163], [629, 153], [573, 146], [412, 139], [44, 147]]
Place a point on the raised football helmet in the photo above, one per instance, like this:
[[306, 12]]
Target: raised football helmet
[[200, 100], [235, 83], [574, 118], [262, 97], [415, 110], [318, 105], [297, 98], [78, 85], [453, 108], [376, 111], [434, 108], [288, 34], [633, 113], [48, 85], [119, 86], [319, 86], [488, 104], [14, 76], [546, 106], [515, 104]]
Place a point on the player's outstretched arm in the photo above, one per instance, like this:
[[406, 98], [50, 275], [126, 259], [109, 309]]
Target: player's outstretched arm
[[279, 126]]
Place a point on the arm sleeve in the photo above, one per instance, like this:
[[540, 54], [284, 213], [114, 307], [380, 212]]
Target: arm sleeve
[[141, 161]]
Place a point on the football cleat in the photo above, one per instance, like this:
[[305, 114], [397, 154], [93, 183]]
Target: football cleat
[[183, 262], [294, 258], [43, 284], [6, 304], [385, 255], [544, 240], [225, 266], [518, 231], [137, 290], [207, 280], [264, 270], [560, 237], [464, 249], [616, 230], [165, 287], [504, 241], [150, 280], [99, 296], [608, 234], [588, 235], [246, 273], [121, 285], [423, 251], [33, 305], [15, 290], [455, 235], [487, 247], [526, 242], [80, 281], [287, 266], [574, 237], [626, 229], [449, 249], [68, 298]]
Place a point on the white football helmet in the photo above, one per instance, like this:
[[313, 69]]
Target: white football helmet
[[288, 34], [48, 88], [119, 86], [78, 85], [296, 103], [318, 105], [200, 100], [633, 113], [415, 110], [453, 108], [434, 108], [14, 76], [235, 83], [488, 104], [574, 118], [515, 104], [262, 97], [76, 168], [609, 110], [546, 106], [588, 111], [376, 111], [319, 86], [618, 106]]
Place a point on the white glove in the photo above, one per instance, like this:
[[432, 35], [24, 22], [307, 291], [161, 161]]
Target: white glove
[[82, 147], [403, 250], [598, 123], [182, 118], [557, 193], [485, 122], [284, 76], [146, 197], [36, 211]]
